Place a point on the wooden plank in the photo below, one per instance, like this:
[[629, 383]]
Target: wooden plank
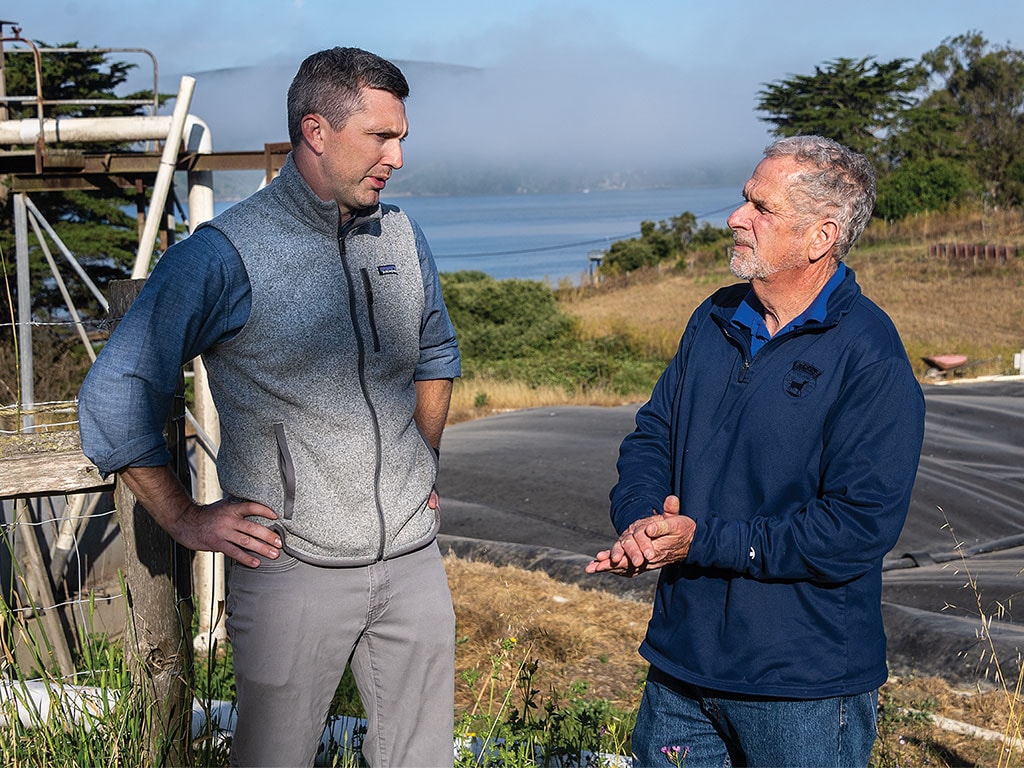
[[106, 170], [46, 463]]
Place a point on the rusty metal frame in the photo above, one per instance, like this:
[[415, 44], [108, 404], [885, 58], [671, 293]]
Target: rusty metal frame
[[41, 103]]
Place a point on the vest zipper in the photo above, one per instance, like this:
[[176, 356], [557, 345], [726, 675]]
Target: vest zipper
[[361, 349]]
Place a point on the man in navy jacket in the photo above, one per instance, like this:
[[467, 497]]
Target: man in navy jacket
[[767, 477]]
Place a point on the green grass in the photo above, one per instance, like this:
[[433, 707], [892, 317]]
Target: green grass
[[98, 718]]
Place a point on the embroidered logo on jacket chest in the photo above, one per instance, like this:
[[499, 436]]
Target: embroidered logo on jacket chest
[[800, 380]]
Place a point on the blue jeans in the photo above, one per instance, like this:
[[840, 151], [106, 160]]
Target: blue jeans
[[720, 730]]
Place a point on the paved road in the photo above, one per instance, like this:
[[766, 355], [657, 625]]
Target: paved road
[[531, 488]]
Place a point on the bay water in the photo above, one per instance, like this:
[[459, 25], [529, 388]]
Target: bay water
[[549, 237]]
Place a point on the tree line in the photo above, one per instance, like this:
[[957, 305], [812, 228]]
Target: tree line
[[943, 131], [946, 129]]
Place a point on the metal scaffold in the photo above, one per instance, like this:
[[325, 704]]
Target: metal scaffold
[[49, 152]]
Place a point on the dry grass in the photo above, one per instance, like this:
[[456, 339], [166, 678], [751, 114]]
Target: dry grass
[[578, 635], [581, 636], [972, 719], [484, 396], [938, 305], [649, 309], [974, 310]]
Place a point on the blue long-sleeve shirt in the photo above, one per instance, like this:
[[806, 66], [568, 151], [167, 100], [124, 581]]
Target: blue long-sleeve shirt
[[198, 295]]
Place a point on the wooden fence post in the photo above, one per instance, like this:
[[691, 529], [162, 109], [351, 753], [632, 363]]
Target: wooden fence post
[[158, 578]]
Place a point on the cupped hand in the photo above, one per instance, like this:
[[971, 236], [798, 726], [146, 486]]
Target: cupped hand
[[649, 543]]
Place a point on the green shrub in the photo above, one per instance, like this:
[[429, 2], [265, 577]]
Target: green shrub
[[922, 185], [504, 319]]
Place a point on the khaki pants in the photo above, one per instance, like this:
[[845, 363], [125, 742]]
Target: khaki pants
[[295, 626]]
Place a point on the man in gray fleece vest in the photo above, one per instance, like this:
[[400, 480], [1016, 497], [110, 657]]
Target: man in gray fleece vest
[[318, 313]]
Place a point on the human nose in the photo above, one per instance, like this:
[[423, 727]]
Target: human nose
[[736, 218], [393, 154]]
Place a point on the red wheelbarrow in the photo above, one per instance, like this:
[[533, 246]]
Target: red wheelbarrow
[[940, 366]]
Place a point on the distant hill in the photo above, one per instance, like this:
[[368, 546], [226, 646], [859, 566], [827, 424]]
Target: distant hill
[[471, 132]]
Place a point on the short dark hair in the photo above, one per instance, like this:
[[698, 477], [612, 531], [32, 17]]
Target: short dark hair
[[328, 83], [842, 183]]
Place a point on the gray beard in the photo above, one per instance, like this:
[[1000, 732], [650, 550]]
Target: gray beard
[[748, 267]]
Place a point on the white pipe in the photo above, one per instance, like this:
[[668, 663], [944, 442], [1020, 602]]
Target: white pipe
[[208, 569], [200, 183], [86, 129], [164, 176], [37, 701]]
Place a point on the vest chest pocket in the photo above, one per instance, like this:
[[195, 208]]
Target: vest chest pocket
[[394, 313], [370, 309]]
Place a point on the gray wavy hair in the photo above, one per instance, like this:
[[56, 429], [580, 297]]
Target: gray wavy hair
[[839, 182]]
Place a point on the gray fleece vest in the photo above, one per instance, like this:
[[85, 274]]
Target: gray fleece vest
[[316, 393]]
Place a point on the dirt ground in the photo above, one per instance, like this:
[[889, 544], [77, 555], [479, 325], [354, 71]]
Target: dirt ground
[[585, 640]]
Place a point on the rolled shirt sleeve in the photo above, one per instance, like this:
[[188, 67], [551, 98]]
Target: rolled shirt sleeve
[[197, 295], [439, 348]]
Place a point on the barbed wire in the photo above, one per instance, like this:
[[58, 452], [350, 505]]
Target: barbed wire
[[97, 324]]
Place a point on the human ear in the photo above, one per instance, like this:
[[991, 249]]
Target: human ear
[[825, 237], [312, 131]]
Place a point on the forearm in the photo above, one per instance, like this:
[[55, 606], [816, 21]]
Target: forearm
[[219, 527], [160, 491], [838, 526], [433, 396]]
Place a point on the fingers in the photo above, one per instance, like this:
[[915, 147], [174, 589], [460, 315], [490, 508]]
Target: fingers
[[602, 564], [634, 548], [225, 527], [241, 556], [251, 509], [671, 505]]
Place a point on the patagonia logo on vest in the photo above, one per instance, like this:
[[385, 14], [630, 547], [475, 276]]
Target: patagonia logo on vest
[[387, 269], [799, 382]]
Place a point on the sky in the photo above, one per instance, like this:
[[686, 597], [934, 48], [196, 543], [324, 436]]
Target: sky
[[650, 83]]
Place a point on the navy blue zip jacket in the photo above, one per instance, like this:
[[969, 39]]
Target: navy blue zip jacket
[[797, 465]]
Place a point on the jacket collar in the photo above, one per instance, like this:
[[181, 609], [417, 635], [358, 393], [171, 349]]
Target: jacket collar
[[296, 196], [728, 300]]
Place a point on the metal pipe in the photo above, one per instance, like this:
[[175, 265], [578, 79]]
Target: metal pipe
[[67, 253], [164, 176], [85, 129], [37, 63], [26, 379], [62, 286]]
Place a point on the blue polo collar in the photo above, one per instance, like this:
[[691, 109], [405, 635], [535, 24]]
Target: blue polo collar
[[749, 313]]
